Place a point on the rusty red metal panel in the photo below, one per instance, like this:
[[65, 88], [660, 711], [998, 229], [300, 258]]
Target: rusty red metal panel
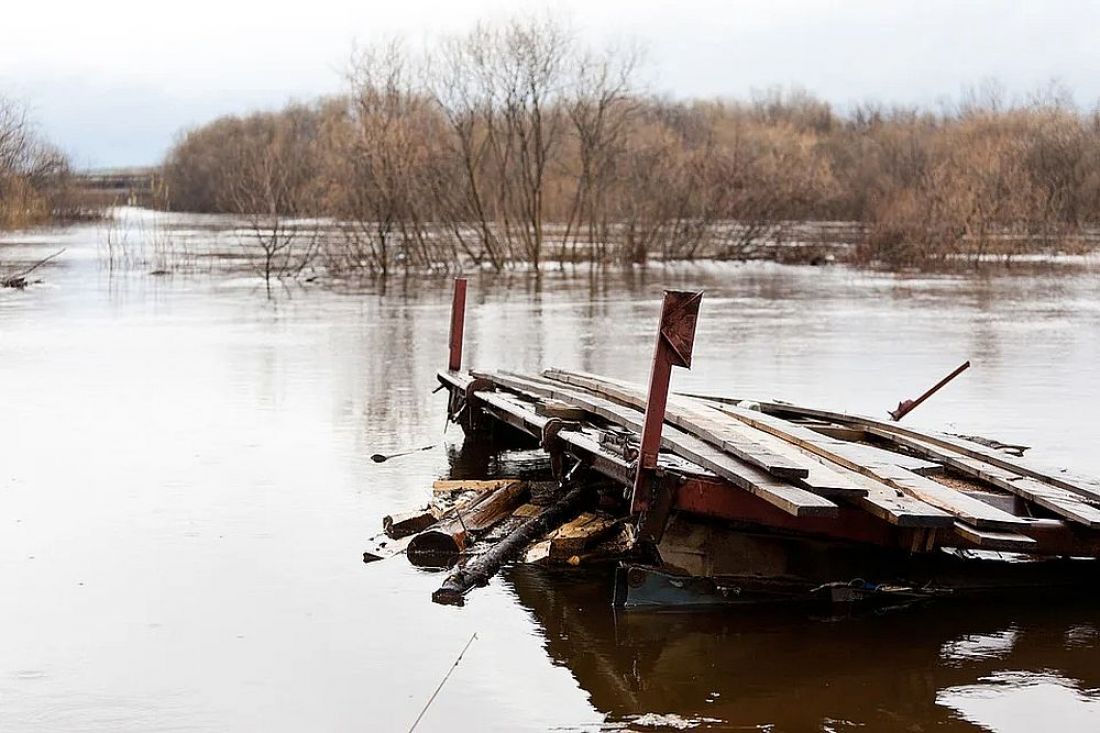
[[720, 500], [675, 339], [458, 323], [678, 318]]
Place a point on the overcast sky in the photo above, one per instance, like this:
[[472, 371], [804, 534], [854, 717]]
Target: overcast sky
[[113, 81]]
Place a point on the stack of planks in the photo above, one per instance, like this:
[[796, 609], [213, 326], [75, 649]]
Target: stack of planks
[[803, 460]]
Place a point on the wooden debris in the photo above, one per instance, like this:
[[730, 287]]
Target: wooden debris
[[526, 511], [574, 537], [441, 543], [444, 486], [404, 524], [478, 570]]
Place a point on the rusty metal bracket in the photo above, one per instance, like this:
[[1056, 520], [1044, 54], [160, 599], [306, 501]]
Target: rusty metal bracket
[[906, 406], [465, 408], [553, 445], [675, 340]]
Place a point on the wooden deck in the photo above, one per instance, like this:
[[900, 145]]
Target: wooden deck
[[701, 486], [899, 489]]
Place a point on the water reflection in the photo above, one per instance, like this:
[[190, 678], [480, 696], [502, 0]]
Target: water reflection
[[945, 667]]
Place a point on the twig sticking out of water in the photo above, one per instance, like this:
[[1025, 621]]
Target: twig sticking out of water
[[19, 279], [443, 682]]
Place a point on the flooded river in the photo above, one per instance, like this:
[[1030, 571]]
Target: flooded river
[[185, 491]]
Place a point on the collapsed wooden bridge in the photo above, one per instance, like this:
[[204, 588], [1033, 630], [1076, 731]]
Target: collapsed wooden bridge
[[728, 500]]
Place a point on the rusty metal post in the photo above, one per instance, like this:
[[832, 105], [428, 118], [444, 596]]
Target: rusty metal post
[[907, 406], [458, 324], [675, 339]]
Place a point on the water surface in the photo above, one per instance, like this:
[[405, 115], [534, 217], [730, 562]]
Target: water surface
[[185, 491]]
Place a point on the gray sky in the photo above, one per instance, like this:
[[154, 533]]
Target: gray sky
[[113, 81]]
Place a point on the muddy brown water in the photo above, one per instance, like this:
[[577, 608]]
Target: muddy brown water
[[186, 487]]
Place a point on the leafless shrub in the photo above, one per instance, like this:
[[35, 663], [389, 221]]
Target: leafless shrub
[[516, 143], [33, 173]]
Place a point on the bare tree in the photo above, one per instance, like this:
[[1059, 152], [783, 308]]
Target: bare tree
[[268, 183], [33, 173]]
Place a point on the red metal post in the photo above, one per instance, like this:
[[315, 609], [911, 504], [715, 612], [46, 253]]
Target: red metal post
[[907, 406], [675, 339], [458, 324]]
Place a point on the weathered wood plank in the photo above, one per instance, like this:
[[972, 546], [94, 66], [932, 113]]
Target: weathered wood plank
[[1000, 541], [697, 419], [875, 497], [1057, 500], [446, 486], [894, 506], [404, 524], [970, 510], [794, 500], [820, 477], [871, 454], [1085, 487], [574, 537]]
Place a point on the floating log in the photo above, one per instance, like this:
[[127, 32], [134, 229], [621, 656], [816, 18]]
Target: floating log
[[440, 545], [478, 570], [404, 524]]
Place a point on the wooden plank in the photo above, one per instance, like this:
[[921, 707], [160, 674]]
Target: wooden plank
[[1085, 487], [791, 499], [681, 406], [708, 425], [896, 507], [1057, 500], [1000, 541], [554, 408], [878, 499], [526, 511], [574, 537], [874, 455], [446, 486], [405, 524], [970, 510], [819, 476]]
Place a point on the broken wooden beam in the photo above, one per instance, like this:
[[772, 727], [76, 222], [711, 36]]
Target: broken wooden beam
[[480, 569], [441, 544], [404, 524]]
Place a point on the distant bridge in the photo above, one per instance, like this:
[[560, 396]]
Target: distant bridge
[[118, 186]]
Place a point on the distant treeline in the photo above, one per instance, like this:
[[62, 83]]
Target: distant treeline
[[34, 174], [513, 143]]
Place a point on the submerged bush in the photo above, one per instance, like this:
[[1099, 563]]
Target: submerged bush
[[516, 143]]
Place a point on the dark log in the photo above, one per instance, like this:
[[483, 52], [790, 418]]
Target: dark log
[[478, 571], [441, 544]]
